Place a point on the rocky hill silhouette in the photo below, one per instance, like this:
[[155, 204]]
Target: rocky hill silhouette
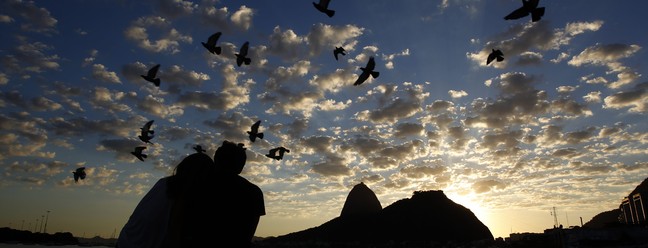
[[361, 201], [427, 217], [641, 188], [605, 219]]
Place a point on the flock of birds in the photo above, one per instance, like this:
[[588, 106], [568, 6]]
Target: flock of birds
[[529, 7]]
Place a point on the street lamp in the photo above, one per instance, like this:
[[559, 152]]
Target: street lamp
[[36, 226], [46, 218]]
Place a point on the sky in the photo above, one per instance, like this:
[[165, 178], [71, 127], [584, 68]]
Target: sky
[[560, 122]]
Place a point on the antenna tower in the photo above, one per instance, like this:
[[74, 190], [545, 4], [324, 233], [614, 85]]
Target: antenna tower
[[553, 212]]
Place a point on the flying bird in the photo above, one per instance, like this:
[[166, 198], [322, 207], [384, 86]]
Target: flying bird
[[151, 75], [273, 153], [211, 43], [138, 153], [495, 55], [338, 50], [322, 6], [528, 7], [241, 57], [146, 134], [254, 132], [79, 174], [366, 71], [199, 149]]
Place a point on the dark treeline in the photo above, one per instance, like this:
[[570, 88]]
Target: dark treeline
[[8, 235]]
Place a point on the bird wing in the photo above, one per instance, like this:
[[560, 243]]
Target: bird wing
[[371, 64], [490, 58], [255, 127], [537, 13], [363, 77], [153, 71], [213, 38], [530, 4], [244, 49], [324, 3], [517, 14], [139, 149], [337, 51], [147, 126]]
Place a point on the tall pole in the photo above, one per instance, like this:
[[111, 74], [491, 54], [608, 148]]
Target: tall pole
[[36, 226], [46, 218], [41, 225], [555, 217]]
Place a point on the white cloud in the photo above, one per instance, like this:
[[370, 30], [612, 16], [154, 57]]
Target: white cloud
[[169, 40], [101, 73], [593, 97], [3, 79], [523, 38], [176, 8], [36, 19], [636, 99], [457, 93], [286, 43], [609, 55], [389, 58], [6, 19], [242, 18], [576, 28], [322, 37]]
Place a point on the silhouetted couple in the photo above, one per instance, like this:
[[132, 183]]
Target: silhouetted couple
[[205, 203]]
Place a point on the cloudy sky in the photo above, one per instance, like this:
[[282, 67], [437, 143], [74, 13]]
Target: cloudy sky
[[559, 123]]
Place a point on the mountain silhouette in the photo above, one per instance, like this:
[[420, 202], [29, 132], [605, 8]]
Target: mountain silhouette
[[361, 201], [427, 217], [605, 219], [641, 188]]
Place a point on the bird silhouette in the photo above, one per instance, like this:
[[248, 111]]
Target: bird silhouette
[[338, 50], [254, 132], [151, 75], [79, 174], [146, 133], [273, 152], [199, 149], [241, 57], [366, 71], [322, 6], [495, 55], [138, 153], [211, 43], [528, 7]]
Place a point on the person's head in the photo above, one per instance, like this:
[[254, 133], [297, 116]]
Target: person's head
[[230, 157], [189, 173], [194, 165]]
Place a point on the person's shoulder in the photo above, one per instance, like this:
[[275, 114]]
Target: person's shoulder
[[244, 181]]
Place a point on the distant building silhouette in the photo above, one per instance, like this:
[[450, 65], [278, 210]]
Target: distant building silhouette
[[633, 207], [633, 210]]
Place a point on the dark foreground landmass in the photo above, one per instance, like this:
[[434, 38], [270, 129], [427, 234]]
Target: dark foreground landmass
[[8, 235]]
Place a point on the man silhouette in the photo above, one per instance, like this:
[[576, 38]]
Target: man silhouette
[[240, 203]]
